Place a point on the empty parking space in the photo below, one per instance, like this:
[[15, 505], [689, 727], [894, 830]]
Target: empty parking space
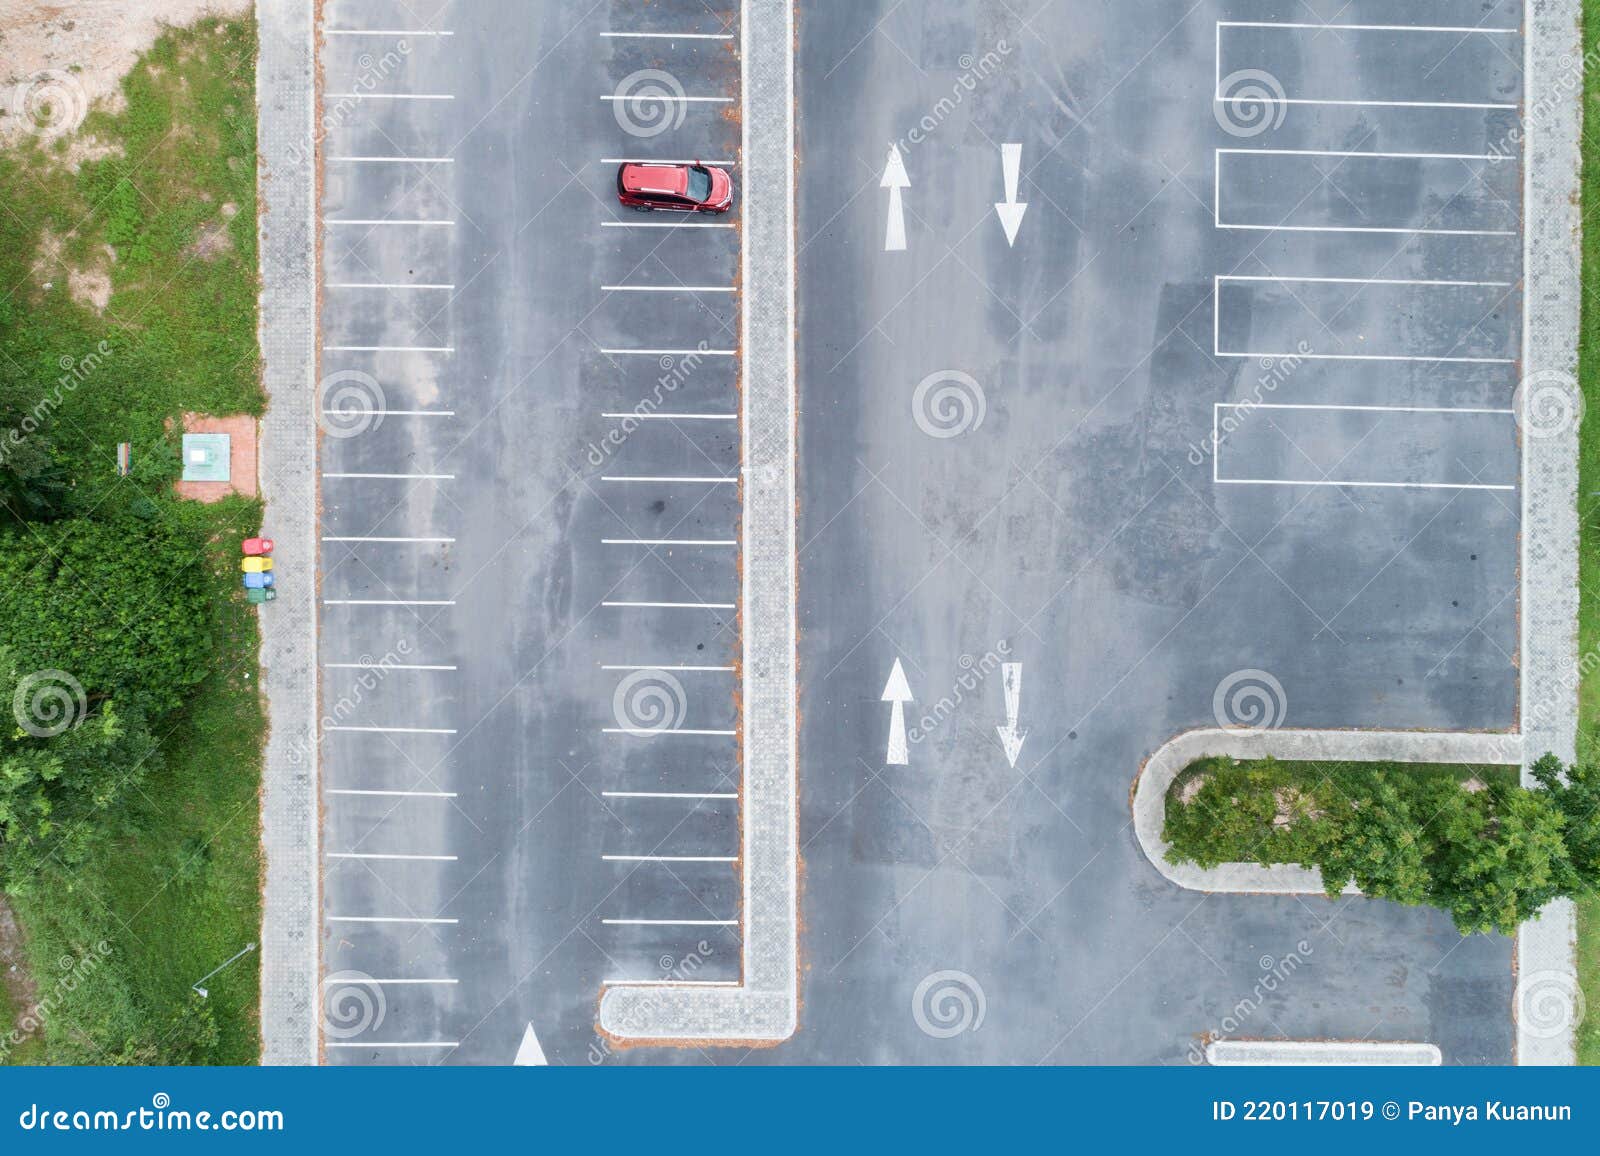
[[1369, 446], [1332, 190], [1366, 319], [1342, 62]]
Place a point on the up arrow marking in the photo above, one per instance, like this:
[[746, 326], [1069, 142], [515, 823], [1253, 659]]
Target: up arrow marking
[[898, 692], [529, 1054], [1010, 737], [1011, 210], [896, 181]]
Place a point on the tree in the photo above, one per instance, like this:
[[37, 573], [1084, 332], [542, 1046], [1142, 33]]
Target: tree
[[1496, 865], [59, 789], [120, 606], [1382, 844], [33, 486]]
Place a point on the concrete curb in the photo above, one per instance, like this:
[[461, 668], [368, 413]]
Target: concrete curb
[[290, 898], [1552, 231], [1162, 767], [765, 1006], [1320, 1053]]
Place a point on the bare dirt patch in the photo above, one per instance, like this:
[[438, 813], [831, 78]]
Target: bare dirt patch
[[21, 990], [58, 60]]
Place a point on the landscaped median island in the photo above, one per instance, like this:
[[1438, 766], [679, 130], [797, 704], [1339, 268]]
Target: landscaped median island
[[130, 762], [1467, 839]]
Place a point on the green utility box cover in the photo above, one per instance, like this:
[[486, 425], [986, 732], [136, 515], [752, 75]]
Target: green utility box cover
[[205, 457]]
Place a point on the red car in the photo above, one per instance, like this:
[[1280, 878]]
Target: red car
[[680, 188]]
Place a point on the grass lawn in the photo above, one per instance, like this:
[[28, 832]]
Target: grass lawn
[[165, 222], [1589, 520]]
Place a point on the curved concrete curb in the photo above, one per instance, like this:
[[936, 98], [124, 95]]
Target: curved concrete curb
[[1161, 768]]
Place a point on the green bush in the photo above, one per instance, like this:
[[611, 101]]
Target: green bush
[[1491, 856]]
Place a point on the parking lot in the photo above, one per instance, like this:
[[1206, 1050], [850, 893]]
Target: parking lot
[[529, 524]]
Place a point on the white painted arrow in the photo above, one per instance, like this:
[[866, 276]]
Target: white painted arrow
[[897, 691], [1010, 737], [530, 1054], [896, 181], [1011, 209]]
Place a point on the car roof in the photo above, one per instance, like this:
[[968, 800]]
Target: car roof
[[656, 179]]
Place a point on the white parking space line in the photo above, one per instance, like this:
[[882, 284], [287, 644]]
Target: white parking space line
[[388, 601], [673, 605], [661, 731], [662, 479], [371, 538], [1364, 27], [666, 288], [668, 795], [1359, 281], [670, 858], [667, 35], [1221, 405], [384, 666], [410, 477], [396, 794], [388, 96], [670, 922], [389, 349], [389, 413], [375, 982], [670, 352], [660, 666], [1380, 155], [668, 542], [386, 285], [667, 98], [395, 160], [391, 1044], [724, 164], [1363, 485], [666, 224], [670, 982], [377, 855], [388, 919], [370, 221], [675, 416], [392, 730], [383, 32]]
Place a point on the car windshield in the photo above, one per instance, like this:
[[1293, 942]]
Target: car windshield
[[699, 184]]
